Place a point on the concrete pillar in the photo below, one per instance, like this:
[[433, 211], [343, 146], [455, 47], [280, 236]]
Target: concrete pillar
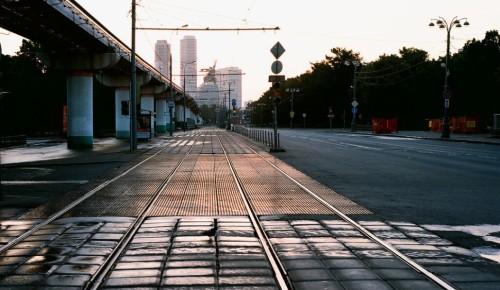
[[161, 116], [80, 111], [122, 122], [148, 104], [168, 119]]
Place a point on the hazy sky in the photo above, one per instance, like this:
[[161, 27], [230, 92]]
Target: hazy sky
[[309, 29]]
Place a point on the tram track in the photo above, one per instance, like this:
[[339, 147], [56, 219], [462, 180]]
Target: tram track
[[442, 283], [185, 148]]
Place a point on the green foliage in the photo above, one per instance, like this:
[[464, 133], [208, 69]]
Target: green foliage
[[407, 86]]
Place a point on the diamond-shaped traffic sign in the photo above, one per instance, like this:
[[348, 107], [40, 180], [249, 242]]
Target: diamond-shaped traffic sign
[[354, 103], [277, 50]]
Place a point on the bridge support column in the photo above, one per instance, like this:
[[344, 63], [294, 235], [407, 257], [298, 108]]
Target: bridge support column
[[161, 116], [147, 104], [122, 112], [80, 111]]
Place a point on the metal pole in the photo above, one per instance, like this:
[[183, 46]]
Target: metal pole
[[133, 89], [184, 98], [353, 124], [291, 111], [171, 101], [446, 123], [275, 126]]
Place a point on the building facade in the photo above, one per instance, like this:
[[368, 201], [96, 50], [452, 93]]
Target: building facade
[[188, 64], [230, 85], [162, 57]]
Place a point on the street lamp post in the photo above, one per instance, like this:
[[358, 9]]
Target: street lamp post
[[443, 24], [184, 125], [354, 103], [292, 113]]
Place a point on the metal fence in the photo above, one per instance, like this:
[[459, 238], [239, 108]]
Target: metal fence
[[8, 141], [265, 137]]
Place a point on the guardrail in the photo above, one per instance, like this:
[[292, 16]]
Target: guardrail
[[8, 141], [260, 135]]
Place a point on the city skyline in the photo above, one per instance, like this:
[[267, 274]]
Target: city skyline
[[307, 31]]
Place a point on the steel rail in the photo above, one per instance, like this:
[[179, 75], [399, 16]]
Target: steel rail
[[99, 276], [444, 284], [278, 269]]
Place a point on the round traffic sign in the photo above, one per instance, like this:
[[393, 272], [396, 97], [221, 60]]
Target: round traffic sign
[[276, 67]]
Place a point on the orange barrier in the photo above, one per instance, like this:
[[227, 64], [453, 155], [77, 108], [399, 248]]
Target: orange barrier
[[382, 126], [464, 125]]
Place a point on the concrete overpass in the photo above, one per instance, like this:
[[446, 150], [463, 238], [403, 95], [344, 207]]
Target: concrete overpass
[[76, 42]]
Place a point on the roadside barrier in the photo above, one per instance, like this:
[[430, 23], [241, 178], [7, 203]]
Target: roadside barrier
[[262, 136]]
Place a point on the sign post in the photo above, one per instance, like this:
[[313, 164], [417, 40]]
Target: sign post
[[277, 50]]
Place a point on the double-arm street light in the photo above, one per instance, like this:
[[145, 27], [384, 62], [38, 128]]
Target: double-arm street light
[[292, 113], [354, 103], [443, 24], [184, 65]]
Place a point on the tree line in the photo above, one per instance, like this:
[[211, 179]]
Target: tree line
[[407, 86]]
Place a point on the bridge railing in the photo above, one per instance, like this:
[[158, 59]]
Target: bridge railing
[[265, 137]]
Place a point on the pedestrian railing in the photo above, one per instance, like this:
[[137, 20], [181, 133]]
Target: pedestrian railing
[[265, 137]]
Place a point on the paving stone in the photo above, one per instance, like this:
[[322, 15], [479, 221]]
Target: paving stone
[[21, 280], [67, 280], [310, 275], [93, 251], [245, 272], [345, 264], [345, 233], [472, 277], [326, 285], [282, 234], [138, 265], [190, 264], [239, 244], [240, 250], [315, 226], [188, 281], [135, 273], [298, 255], [254, 281], [138, 240], [313, 233], [303, 264], [320, 240], [355, 274], [478, 285], [243, 264], [11, 260], [55, 250], [39, 238], [149, 245], [77, 269], [189, 272], [191, 257], [235, 239], [30, 245], [145, 252], [369, 285], [365, 254], [390, 263], [100, 244], [87, 260], [182, 251], [327, 246], [291, 247], [47, 259], [390, 234], [414, 284], [35, 269], [399, 274], [331, 254], [132, 281], [363, 246], [141, 258]]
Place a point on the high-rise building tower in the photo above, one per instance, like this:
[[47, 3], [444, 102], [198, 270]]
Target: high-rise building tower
[[162, 57], [188, 64], [229, 80]]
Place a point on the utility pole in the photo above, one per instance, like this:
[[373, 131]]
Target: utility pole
[[133, 88]]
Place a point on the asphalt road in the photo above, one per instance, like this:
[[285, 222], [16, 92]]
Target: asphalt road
[[422, 181]]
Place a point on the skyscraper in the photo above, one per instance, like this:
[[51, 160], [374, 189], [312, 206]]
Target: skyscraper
[[188, 63], [229, 80], [162, 57]]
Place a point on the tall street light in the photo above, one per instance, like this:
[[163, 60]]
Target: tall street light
[[184, 125], [443, 24], [292, 113], [354, 103]]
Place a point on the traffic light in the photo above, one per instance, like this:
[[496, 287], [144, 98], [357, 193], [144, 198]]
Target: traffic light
[[277, 92]]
